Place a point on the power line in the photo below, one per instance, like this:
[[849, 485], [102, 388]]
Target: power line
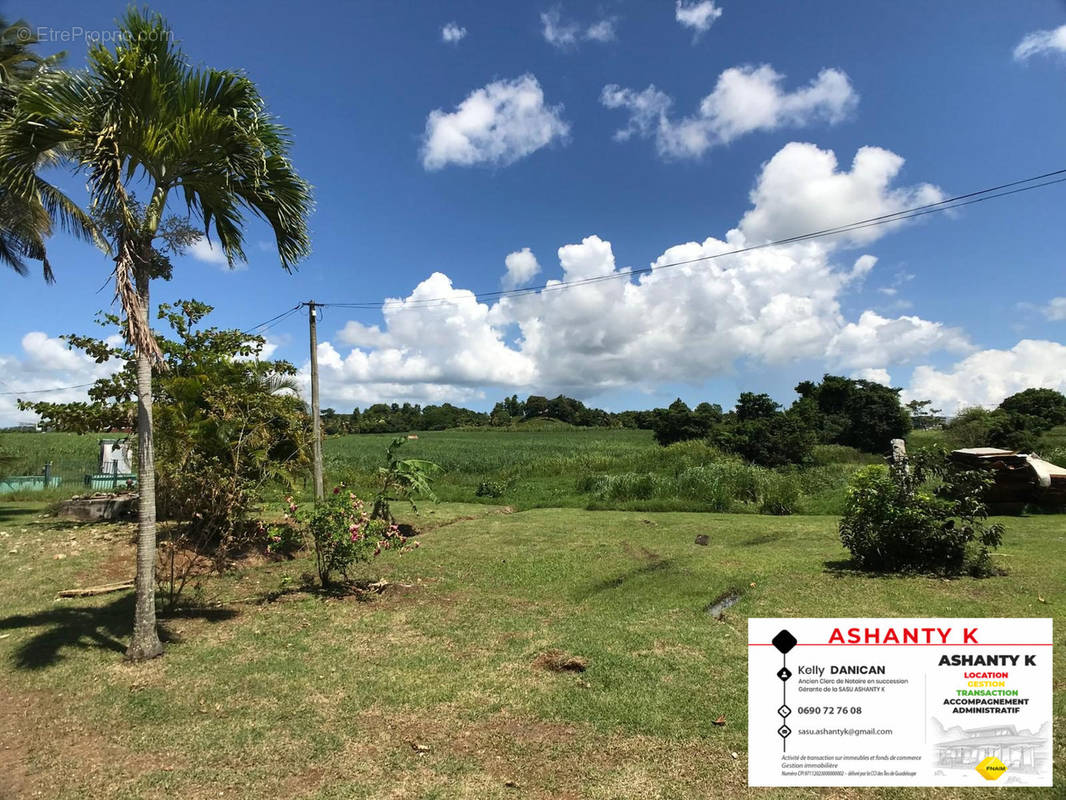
[[265, 326], [958, 201], [53, 389], [254, 330]]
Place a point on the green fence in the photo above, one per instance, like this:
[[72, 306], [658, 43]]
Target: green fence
[[70, 476]]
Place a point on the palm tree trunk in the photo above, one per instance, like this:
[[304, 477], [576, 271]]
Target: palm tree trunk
[[145, 643]]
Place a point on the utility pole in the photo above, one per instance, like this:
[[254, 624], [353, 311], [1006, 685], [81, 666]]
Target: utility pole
[[316, 425]]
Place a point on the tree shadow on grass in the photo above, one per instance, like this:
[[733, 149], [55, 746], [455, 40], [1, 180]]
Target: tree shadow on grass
[[11, 513], [847, 568], [66, 628]]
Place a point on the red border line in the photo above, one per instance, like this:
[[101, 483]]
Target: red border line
[[901, 644]]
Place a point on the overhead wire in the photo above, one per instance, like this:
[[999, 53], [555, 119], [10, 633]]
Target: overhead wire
[[948, 204], [47, 391]]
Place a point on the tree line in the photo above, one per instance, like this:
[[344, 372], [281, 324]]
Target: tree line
[[836, 410]]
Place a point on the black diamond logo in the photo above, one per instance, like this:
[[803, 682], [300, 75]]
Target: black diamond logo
[[784, 673], [784, 730], [784, 641], [784, 711]]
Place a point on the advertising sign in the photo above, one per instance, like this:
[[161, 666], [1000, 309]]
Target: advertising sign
[[899, 702]]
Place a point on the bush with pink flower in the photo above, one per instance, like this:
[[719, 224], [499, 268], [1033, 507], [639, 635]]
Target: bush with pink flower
[[343, 534]]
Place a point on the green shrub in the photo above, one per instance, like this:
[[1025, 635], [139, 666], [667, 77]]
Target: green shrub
[[930, 520], [283, 540], [402, 479], [343, 534]]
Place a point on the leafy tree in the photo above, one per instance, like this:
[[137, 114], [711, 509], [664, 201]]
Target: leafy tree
[[1015, 431], [30, 207], [677, 423], [513, 406], [923, 415], [224, 417], [752, 406], [970, 427], [227, 424], [782, 438], [856, 413], [500, 417], [1046, 405], [535, 406], [142, 113], [1017, 424], [711, 412]]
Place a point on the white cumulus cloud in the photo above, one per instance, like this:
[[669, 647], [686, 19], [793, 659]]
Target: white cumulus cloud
[[802, 188], [1056, 309], [521, 267], [745, 99], [874, 375], [880, 340], [699, 16], [987, 377], [684, 323], [209, 252], [357, 334], [497, 124], [1039, 42], [567, 34], [45, 363], [452, 33]]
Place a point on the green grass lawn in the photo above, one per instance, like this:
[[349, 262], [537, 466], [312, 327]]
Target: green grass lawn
[[430, 689]]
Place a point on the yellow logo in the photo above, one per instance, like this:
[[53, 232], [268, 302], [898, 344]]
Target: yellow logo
[[991, 768]]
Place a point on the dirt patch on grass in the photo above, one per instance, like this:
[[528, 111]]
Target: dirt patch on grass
[[46, 752], [558, 661], [641, 553]]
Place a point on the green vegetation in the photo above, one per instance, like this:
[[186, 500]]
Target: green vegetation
[[342, 534], [1050, 444], [432, 685], [140, 116], [1021, 422], [920, 515], [599, 469], [27, 453], [227, 423]]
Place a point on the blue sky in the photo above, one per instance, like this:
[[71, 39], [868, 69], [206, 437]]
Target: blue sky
[[572, 142]]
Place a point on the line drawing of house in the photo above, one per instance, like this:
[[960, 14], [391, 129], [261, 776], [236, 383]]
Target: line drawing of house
[[1021, 752]]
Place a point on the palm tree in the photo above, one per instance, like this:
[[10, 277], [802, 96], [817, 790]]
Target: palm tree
[[28, 218], [199, 136]]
